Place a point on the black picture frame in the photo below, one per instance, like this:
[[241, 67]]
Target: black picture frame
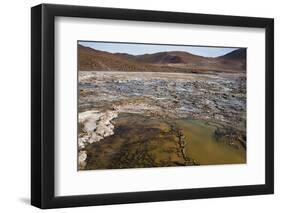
[[43, 102]]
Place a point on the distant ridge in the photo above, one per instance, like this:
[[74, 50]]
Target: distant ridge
[[173, 57], [173, 61], [91, 59], [239, 54]]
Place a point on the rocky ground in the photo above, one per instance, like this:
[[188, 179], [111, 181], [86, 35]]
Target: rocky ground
[[218, 98]]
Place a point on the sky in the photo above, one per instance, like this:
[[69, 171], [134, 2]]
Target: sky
[[139, 49]]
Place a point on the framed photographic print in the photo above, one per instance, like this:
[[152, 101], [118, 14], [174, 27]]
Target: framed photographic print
[[139, 106]]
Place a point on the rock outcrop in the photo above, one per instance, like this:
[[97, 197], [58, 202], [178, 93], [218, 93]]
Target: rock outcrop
[[94, 126]]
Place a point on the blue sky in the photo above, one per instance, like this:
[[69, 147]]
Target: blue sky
[[139, 49]]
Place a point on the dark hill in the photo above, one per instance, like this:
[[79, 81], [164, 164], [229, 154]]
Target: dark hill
[[239, 54], [91, 59], [236, 57], [173, 57]]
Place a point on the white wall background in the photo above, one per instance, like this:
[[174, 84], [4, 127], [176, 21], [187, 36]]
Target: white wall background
[[15, 105]]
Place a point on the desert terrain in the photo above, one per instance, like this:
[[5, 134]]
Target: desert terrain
[[159, 110]]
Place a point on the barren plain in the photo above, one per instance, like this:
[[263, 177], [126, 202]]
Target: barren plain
[[155, 119]]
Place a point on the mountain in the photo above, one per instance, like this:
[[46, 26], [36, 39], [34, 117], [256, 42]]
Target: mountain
[[173, 57], [173, 61], [236, 57], [91, 59], [239, 54]]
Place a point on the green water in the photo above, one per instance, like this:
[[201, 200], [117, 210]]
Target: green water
[[143, 141], [203, 146]]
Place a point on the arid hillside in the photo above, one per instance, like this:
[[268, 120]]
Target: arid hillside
[[175, 61]]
